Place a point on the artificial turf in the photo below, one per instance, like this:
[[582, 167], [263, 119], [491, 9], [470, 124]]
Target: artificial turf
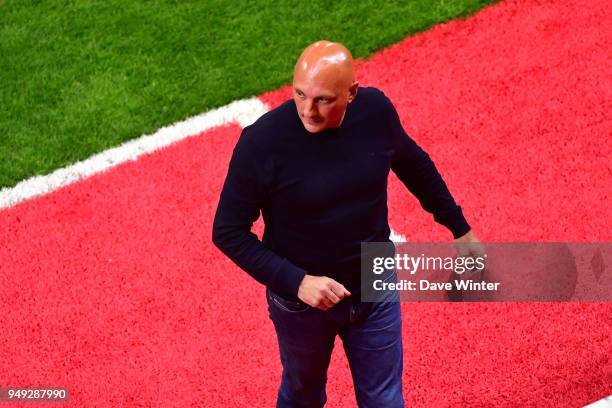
[[77, 77]]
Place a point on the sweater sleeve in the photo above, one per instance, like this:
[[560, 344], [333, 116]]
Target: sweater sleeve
[[240, 203], [417, 171]]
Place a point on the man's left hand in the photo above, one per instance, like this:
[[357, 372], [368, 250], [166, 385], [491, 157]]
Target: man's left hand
[[470, 246]]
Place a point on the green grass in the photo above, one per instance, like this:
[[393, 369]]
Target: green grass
[[77, 77]]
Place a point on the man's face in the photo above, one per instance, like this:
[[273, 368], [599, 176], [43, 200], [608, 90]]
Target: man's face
[[321, 100]]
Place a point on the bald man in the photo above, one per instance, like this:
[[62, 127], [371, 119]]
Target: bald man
[[316, 168]]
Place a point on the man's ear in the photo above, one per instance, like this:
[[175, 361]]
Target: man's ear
[[353, 91]]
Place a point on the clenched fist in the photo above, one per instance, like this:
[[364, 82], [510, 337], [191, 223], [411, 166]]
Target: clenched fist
[[321, 292]]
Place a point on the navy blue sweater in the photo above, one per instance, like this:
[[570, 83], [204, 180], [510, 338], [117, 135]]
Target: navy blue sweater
[[322, 194]]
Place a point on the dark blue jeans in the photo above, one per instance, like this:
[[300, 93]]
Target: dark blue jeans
[[371, 334]]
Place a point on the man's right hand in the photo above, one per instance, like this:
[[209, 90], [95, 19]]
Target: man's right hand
[[321, 292]]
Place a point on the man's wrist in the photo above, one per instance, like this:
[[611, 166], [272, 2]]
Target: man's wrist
[[288, 278], [467, 237]]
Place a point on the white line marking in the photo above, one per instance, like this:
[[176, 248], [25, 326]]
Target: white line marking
[[244, 111], [396, 237], [602, 403]]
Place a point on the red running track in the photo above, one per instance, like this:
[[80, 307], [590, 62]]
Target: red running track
[[112, 288]]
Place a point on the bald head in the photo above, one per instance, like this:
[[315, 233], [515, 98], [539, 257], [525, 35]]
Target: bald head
[[324, 84], [326, 58]]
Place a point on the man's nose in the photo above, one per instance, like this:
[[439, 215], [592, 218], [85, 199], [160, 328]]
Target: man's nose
[[309, 109]]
